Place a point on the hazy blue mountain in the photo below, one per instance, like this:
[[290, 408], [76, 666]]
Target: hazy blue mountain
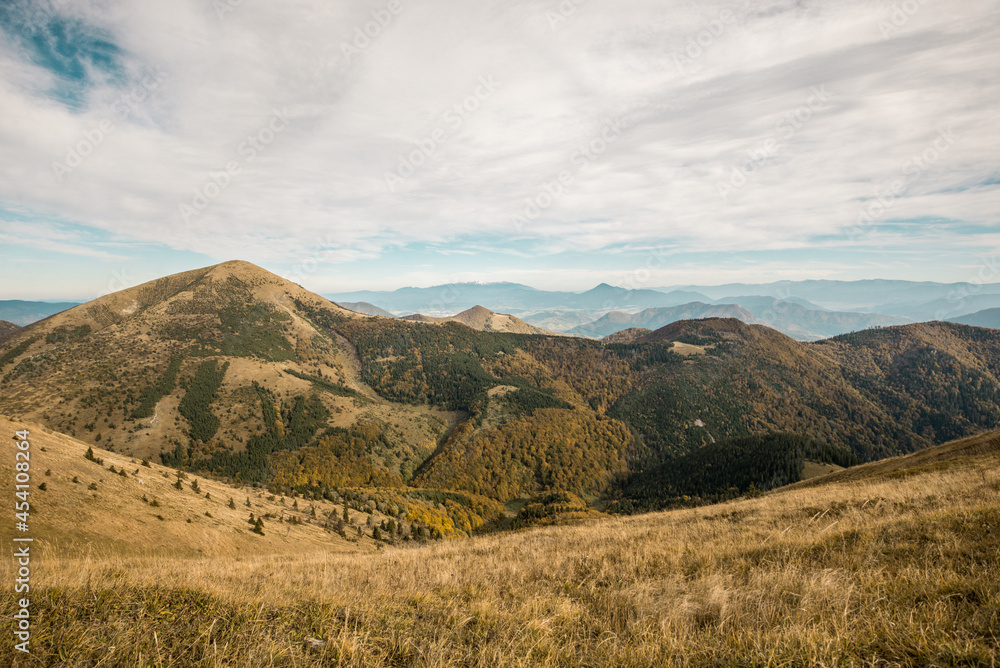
[[655, 318], [790, 318], [811, 324], [513, 298], [453, 298], [869, 295], [952, 306], [25, 312], [806, 310], [366, 309], [752, 302], [986, 318]]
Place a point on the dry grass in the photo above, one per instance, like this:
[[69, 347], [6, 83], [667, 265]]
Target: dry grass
[[880, 571]]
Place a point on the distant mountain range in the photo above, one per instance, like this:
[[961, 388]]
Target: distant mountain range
[[445, 300], [654, 318], [873, 296], [26, 312], [805, 310]]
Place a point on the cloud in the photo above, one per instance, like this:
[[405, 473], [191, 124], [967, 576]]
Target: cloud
[[267, 132]]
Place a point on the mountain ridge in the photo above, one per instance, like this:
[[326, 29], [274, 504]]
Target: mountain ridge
[[233, 370]]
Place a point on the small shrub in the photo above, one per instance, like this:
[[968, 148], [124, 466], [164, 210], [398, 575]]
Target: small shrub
[[43, 487], [92, 486]]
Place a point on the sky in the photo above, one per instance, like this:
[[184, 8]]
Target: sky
[[558, 143]]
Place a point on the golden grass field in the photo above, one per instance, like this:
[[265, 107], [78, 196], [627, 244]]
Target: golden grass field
[[897, 564]]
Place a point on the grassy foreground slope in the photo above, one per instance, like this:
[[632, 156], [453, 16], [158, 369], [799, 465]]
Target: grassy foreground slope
[[895, 567]]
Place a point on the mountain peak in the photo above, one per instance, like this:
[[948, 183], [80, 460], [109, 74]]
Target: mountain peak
[[713, 328]]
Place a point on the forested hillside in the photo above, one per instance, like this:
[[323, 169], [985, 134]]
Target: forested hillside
[[726, 470]]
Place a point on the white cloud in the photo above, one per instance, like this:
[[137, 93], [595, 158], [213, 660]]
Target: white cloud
[[689, 116]]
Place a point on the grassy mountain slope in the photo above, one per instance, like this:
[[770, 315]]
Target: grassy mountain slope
[[8, 329], [894, 570], [126, 505], [218, 366]]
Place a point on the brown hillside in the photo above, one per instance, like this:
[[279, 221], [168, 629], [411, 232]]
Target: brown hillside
[[626, 335], [8, 329], [84, 372], [113, 517], [485, 320], [932, 458]]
